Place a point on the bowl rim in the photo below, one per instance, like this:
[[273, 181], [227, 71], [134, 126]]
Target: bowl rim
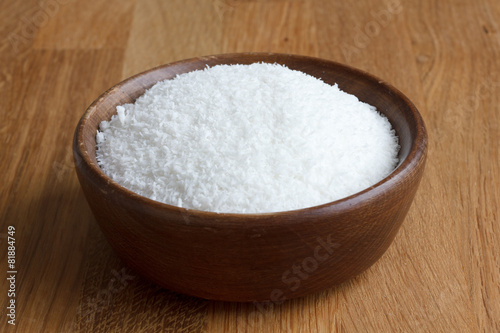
[[416, 155]]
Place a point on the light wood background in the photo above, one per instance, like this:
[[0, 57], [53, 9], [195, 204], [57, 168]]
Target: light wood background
[[442, 273]]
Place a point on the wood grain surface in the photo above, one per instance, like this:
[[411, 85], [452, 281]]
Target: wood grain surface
[[441, 274]]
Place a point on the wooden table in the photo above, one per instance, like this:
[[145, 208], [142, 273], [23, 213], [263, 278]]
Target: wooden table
[[442, 273]]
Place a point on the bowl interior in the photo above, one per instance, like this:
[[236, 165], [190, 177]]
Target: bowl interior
[[389, 101]]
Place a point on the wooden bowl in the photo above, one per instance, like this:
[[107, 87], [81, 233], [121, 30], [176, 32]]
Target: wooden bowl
[[254, 257]]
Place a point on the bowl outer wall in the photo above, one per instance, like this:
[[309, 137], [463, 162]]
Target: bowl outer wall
[[249, 257]]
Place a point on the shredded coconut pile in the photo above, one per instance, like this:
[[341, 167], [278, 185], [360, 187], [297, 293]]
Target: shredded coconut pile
[[246, 139]]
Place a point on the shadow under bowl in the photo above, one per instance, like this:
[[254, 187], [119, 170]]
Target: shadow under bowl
[[254, 257]]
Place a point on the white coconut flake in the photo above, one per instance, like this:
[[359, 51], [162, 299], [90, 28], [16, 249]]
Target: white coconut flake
[[246, 139]]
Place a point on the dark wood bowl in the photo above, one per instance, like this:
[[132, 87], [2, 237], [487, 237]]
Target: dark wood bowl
[[254, 257]]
